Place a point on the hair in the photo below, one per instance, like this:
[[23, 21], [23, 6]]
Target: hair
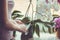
[[57, 29]]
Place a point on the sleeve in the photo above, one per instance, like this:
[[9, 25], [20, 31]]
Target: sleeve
[[57, 22]]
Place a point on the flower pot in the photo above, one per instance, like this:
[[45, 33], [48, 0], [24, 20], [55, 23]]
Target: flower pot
[[29, 36], [31, 39], [58, 33]]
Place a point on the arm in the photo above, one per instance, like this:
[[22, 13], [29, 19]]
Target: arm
[[4, 17], [3, 10], [15, 27]]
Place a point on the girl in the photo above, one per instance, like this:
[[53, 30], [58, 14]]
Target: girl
[[7, 26], [57, 27]]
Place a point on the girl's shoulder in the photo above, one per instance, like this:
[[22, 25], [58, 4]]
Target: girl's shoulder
[[57, 19]]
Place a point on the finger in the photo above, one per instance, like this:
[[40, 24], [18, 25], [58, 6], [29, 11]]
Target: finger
[[19, 22]]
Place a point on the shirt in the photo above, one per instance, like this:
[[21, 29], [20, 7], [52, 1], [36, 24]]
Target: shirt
[[57, 21]]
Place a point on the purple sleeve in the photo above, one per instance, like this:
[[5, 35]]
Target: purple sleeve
[[57, 21]]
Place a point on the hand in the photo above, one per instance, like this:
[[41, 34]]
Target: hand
[[23, 29], [22, 26], [19, 22]]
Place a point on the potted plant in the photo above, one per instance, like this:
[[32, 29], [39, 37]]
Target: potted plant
[[14, 16], [34, 27], [57, 26]]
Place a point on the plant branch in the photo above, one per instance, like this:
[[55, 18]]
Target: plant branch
[[39, 21]]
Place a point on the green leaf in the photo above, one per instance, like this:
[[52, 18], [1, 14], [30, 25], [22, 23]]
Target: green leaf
[[15, 16], [46, 25], [53, 30], [43, 29], [25, 20], [37, 30], [52, 23], [49, 28], [55, 15], [15, 11], [19, 15], [33, 28]]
